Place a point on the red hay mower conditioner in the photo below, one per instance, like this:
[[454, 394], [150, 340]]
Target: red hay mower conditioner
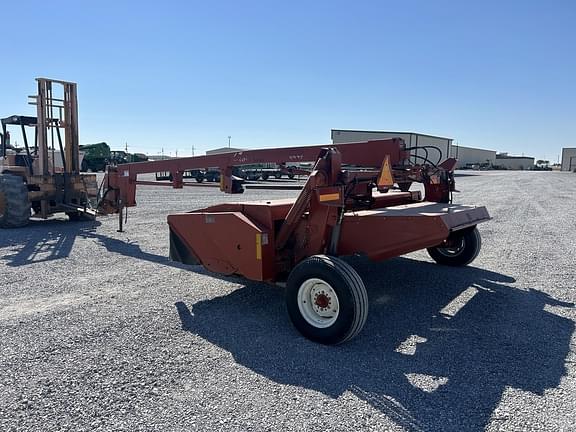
[[339, 212]]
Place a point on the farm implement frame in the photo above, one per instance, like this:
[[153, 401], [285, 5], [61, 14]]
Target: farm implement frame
[[356, 201]]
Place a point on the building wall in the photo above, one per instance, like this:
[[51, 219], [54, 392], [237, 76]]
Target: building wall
[[473, 156], [568, 159], [515, 162], [411, 139]]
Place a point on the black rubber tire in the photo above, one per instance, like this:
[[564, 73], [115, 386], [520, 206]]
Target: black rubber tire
[[291, 176], [15, 212], [78, 216], [265, 176], [278, 175], [405, 187], [199, 179], [349, 288], [468, 251]]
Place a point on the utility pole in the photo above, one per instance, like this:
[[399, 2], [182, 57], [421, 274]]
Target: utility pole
[[193, 149], [229, 138]]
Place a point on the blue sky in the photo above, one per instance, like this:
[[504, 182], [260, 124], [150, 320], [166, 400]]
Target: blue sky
[[497, 75]]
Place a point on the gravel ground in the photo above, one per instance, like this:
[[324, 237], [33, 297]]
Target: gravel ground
[[100, 331]]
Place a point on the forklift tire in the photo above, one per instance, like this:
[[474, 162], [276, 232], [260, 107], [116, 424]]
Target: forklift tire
[[14, 203], [461, 255], [326, 300]]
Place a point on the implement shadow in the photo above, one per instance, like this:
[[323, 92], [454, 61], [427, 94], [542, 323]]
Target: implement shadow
[[426, 365], [50, 240]]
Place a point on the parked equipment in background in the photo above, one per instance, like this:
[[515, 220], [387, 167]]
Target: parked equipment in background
[[266, 171], [366, 210], [119, 157], [96, 157], [253, 172], [44, 178]]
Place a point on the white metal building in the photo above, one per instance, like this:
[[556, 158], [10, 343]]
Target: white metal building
[[223, 150], [412, 139], [568, 159], [469, 157], [514, 162]]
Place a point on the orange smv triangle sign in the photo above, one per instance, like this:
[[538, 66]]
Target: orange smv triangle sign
[[385, 179]]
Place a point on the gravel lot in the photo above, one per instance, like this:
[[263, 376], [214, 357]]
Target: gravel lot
[[100, 331]]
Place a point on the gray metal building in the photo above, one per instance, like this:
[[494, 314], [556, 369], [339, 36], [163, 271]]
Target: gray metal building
[[469, 157], [568, 159], [503, 160], [412, 139]]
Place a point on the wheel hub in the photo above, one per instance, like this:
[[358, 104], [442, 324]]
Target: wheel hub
[[452, 247], [318, 303], [322, 300]]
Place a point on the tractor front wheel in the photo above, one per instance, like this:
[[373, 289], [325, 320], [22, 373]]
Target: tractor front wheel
[[460, 249], [326, 299], [14, 203]]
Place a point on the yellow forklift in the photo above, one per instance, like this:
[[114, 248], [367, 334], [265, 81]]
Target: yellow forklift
[[44, 178]]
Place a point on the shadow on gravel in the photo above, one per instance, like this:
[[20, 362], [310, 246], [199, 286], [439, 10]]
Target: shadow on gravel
[[52, 240], [43, 240], [424, 359], [132, 249]]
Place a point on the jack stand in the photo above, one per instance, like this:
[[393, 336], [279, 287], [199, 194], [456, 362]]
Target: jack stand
[[120, 216]]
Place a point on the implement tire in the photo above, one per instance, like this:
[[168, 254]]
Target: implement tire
[[79, 216], [14, 203], [326, 300], [466, 251]]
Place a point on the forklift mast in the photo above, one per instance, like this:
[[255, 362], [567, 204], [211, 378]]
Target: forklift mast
[[53, 114]]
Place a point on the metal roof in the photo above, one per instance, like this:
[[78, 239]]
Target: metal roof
[[389, 132], [18, 119]]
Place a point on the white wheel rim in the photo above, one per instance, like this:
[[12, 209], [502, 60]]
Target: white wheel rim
[[318, 303]]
